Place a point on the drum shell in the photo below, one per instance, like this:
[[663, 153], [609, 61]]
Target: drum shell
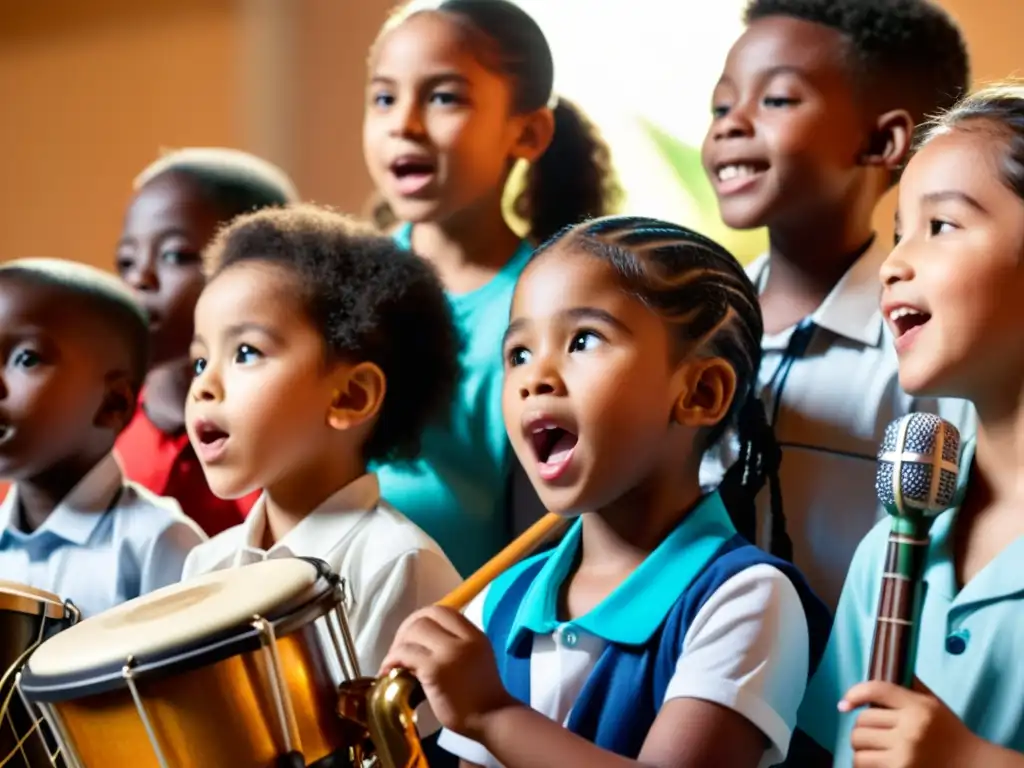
[[219, 714], [18, 632]]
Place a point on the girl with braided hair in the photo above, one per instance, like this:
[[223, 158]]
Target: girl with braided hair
[[654, 633]]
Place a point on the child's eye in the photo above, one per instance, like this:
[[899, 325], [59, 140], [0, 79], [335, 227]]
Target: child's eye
[[446, 98], [584, 340], [896, 237], [123, 264], [26, 358], [941, 227], [382, 100], [246, 353], [198, 366], [776, 102], [718, 111], [178, 257], [518, 356]]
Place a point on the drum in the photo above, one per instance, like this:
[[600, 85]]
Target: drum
[[223, 670], [27, 617]]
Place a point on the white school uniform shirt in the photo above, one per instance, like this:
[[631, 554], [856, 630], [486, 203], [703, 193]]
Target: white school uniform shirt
[[108, 541], [390, 566], [829, 408], [747, 648]]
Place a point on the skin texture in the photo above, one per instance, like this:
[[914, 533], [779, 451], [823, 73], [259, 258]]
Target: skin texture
[[65, 393], [295, 421], [582, 352]]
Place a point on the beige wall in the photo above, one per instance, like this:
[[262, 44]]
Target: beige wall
[[90, 91]]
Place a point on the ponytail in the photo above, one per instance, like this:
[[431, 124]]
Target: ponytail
[[572, 181], [759, 461]]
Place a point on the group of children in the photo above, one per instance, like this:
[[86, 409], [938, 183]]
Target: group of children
[[302, 385]]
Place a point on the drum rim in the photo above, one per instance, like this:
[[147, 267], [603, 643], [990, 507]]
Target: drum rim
[[204, 652], [23, 598]]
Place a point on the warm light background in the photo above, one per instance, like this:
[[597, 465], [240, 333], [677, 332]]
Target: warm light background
[[91, 91]]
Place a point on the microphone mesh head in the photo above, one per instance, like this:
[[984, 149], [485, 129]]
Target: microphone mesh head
[[918, 463]]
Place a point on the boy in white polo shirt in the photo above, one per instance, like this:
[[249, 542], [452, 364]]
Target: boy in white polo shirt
[[75, 348], [813, 117], [952, 288], [319, 347]]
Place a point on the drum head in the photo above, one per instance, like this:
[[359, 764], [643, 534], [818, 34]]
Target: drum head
[[22, 598], [178, 617]]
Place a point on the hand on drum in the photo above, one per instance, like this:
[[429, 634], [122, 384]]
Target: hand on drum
[[454, 663]]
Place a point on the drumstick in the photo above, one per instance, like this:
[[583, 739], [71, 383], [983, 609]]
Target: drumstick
[[531, 539]]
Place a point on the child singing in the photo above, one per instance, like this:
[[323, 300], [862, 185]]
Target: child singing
[[952, 297], [318, 348], [653, 633], [458, 95]]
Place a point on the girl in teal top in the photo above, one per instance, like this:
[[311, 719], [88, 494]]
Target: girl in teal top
[[458, 94]]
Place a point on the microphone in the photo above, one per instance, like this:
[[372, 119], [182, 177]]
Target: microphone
[[918, 467]]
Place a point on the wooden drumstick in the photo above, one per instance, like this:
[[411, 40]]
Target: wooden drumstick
[[529, 541]]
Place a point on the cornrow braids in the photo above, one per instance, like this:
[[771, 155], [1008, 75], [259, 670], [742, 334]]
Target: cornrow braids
[[703, 293]]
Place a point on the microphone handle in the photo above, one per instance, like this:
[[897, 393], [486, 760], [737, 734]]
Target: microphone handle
[[895, 643]]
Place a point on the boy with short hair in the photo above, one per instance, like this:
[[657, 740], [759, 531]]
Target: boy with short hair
[[814, 116], [179, 202], [320, 347], [75, 349]]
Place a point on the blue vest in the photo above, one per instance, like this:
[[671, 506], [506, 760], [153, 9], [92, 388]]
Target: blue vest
[[621, 698]]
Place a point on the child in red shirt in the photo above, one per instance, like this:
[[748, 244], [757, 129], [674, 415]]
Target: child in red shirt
[[180, 202]]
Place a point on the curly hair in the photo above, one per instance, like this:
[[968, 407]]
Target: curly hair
[[371, 302], [907, 54]]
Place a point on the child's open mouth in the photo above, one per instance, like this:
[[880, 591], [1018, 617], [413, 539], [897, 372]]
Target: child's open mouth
[[906, 323], [737, 176], [413, 173], [211, 441], [554, 447]]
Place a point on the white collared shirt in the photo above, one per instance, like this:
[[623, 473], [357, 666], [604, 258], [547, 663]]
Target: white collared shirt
[[829, 412], [108, 541], [390, 566]]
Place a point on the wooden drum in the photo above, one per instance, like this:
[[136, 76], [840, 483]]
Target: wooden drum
[[223, 670], [28, 616]]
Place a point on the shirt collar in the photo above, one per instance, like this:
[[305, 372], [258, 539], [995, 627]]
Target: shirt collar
[[76, 516], [635, 610], [852, 308], [318, 533]]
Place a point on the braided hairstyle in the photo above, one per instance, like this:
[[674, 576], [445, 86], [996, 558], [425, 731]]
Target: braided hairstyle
[[702, 292]]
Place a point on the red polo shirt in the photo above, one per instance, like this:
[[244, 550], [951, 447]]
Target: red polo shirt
[[167, 465]]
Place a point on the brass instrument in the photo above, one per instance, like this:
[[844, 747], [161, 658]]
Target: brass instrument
[[386, 706]]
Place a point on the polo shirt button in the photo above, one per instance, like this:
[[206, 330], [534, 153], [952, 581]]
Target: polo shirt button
[[569, 637], [956, 643]]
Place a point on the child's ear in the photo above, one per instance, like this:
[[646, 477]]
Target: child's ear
[[891, 140], [536, 130], [118, 404], [357, 397], [707, 391]]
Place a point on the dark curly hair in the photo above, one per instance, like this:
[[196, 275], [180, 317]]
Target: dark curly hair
[[573, 180], [706, 298], [370, 300], [907, 54]]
